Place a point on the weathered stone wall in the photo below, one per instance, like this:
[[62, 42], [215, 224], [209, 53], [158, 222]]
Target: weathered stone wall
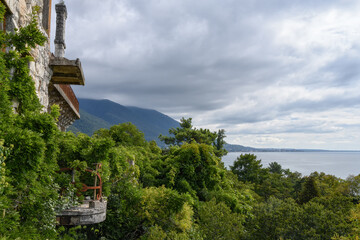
[[48, 93], [68, 113], [39, 69]]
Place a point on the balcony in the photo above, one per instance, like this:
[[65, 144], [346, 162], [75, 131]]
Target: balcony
[[89, 211], [66, 71]]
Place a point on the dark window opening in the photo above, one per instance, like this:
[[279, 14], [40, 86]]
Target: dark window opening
[[46, 16]]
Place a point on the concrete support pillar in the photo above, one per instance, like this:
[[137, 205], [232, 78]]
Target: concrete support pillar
[[61, 15]]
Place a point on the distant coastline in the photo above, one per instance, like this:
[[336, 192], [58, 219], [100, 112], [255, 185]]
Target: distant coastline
[[240, 148], [339, 164]]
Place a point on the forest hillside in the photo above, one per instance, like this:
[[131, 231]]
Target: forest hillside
[[96, 114]]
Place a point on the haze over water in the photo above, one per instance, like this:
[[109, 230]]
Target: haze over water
[[340, 164]]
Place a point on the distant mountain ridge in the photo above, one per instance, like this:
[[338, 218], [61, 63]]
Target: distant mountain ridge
[[240, 148], [96, 114]]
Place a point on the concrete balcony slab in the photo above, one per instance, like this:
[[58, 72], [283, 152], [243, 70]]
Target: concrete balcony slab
[[90, 212], [66, 71]]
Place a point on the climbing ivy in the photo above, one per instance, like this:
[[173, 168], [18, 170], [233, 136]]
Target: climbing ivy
[[5, 104], [20, 42], [28, 146], [3, 153]]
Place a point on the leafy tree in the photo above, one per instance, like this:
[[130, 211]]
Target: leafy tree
[[296, 182], [275, 219], [326, 216], [355, 219], [331, 185], [275, 185], [320, 218], [238, 196], [352, 186], [309, 190], [275, 167], [123, 219], [220, 143], [248, 169], [125, 134], [167, 208], [132, 148], [279, 183], [186, 133], [192, 168], [134, 212], [217, 221]]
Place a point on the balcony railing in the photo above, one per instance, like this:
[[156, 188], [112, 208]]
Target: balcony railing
[[89, 211]]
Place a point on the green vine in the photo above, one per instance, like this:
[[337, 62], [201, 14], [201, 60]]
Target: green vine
[[5, 103], [27, 202], [20, 42], [4, 151]]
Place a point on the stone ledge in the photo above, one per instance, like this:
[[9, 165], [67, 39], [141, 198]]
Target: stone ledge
[[66, 71], [90, 212]]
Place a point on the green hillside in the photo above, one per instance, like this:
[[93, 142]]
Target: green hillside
[[88, 123], [96, 114]]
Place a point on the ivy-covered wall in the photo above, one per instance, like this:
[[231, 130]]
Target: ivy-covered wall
[[19, 15]]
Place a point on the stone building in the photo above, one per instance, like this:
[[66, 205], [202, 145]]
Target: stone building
[[52, 73]]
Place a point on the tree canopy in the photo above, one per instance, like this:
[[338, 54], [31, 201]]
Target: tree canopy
[[186, 133]]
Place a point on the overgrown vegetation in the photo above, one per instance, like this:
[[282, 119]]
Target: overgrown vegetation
[[182, 192]]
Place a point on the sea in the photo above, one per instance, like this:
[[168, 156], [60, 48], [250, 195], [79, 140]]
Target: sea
[[340, 164]]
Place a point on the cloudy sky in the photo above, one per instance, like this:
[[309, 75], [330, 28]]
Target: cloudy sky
[[272, 73]]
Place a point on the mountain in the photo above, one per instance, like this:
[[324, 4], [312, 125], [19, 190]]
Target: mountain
[[96, 114], [240, 148]]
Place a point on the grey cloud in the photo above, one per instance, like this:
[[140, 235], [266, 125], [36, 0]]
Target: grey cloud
[[318, 106], [197, 58], [314, 129], [263, 113], [344, 70]]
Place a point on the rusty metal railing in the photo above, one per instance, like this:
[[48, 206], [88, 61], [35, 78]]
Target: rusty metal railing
[[97, 186]]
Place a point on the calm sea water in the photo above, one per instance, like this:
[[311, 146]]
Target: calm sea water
[[340, 164]]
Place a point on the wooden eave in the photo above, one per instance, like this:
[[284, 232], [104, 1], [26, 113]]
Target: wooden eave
[[68, 100], [66, 71]]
